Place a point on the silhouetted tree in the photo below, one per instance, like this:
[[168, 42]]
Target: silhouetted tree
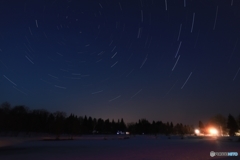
[[94, 125], [220, 122], [201, 127], [50, 123], [171, 129], [100, 125], [80, 120], [59, 123], [154, 128], [167, 129], [185, 129], [132, 128], [143, 126], [238, 120], [89, 125], [107, 126], [38, 121], [232, 125], [177, 129], [160, 127], [4, 117], [18, 119], [181, 131], [122, 125], [113, 127], [72, 125], [189, 129], [85, 125]]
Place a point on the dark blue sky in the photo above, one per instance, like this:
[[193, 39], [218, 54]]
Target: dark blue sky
[[169, 60]]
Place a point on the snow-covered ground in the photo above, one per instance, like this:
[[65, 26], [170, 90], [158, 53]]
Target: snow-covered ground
[[117, 148]]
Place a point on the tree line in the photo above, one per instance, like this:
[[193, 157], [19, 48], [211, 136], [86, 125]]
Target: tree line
[[20, 119]]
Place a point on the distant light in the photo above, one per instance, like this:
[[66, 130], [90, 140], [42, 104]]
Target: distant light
[[127, 133], [213, 131], [120, 132], [197, 131]]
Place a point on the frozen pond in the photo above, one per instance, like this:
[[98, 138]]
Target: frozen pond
[[117, 148]]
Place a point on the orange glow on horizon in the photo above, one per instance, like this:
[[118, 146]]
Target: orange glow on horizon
[[213, 131]]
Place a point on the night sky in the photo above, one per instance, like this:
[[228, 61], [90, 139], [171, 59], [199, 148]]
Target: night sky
[[169, 60]]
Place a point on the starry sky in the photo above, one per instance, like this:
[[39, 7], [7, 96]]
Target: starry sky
[[169, 60]]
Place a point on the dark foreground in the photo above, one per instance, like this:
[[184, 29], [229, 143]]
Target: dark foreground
[[120, 148]]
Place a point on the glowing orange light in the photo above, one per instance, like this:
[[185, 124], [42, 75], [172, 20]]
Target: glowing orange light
[[213, 131]]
